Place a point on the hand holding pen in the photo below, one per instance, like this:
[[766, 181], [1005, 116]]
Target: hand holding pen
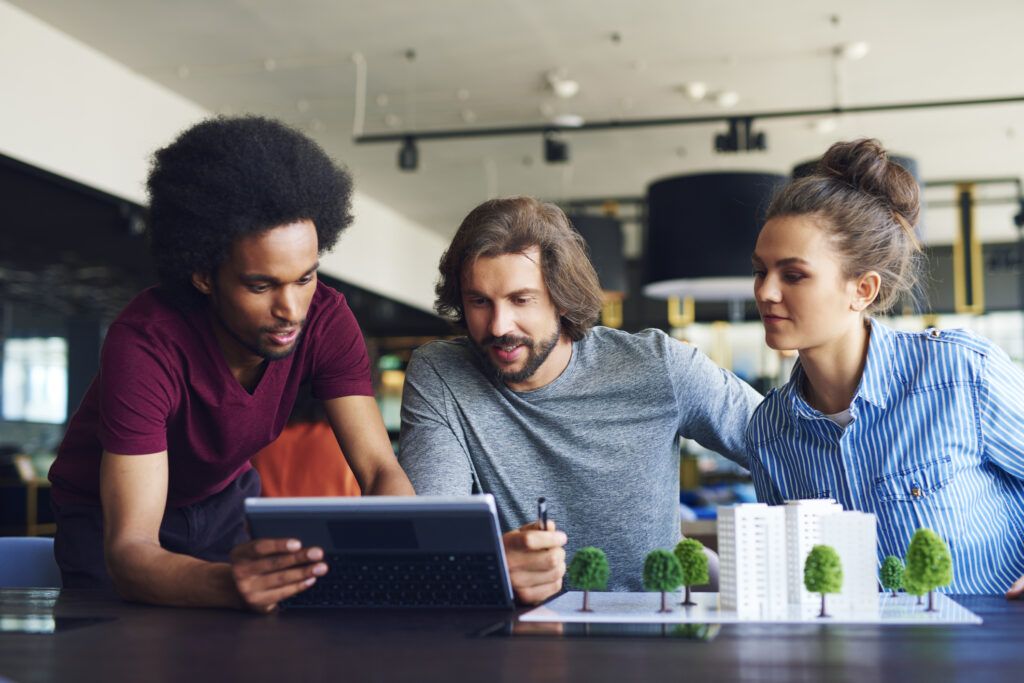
[[536, 558]]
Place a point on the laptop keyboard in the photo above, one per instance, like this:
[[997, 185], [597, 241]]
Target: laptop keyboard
[[420, 580]]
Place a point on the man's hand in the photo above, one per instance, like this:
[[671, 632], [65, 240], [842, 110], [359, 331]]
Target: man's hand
[[536, 561], [268, 570], [1016, 590]]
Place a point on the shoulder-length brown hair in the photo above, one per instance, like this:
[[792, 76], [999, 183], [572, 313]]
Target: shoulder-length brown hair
[[511, 225]]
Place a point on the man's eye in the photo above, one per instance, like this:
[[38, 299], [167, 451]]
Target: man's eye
[[258, 289], [757, 273]]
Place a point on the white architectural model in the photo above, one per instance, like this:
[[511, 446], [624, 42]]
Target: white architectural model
[[752, 560], [762, 550]]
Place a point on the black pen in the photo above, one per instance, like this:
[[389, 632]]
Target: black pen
[[542, 513]]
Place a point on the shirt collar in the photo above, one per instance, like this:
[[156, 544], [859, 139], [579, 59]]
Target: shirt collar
[[878, 370]]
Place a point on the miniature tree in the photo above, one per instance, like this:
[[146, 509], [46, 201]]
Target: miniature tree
[[662, 573], [891, 574], [823, 573], [913, 587], [690, 553], [588, 571], [929, 564]]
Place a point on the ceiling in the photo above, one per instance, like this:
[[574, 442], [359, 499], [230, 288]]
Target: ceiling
[[461, 64]]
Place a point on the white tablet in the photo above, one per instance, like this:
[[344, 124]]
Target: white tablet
[[394, 551]]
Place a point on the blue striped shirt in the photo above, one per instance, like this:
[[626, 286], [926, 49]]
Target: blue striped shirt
[[936, 440]]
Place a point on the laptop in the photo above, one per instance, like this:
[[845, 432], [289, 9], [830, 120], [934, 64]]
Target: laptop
[[394, 551]]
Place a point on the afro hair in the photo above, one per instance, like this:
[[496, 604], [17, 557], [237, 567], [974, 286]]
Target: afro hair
[[226, 178]]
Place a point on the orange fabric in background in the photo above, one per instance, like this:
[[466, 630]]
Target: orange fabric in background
[[305, 461]]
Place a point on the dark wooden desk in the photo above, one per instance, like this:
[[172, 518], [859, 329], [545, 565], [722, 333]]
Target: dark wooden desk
[[102, 639]]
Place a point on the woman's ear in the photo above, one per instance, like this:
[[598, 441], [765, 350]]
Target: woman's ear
[[866, 291], [202, 281]]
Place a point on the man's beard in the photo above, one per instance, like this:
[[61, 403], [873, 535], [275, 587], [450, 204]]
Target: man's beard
[[262, 350], [536, 355]]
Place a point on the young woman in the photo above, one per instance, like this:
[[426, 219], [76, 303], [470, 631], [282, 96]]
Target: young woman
[[923, 429]]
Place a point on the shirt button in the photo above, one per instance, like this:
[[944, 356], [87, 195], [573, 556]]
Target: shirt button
[[915, 491], [934, 333]]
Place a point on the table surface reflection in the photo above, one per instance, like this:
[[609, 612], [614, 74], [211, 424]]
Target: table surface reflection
[[50, 635]]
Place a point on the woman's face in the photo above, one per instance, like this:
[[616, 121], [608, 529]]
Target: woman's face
[[804, 300]]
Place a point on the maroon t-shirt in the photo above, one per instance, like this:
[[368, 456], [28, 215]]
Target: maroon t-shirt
[[164, 384]]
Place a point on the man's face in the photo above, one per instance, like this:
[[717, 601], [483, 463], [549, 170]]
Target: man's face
[[261, 294], [512, 320]]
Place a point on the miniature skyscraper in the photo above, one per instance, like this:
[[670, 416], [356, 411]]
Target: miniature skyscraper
[[853, 535], [762, 550], [803, 532], [752, 558]]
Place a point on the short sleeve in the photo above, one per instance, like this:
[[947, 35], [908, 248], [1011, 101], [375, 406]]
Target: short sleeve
[[341, 366], [135, 393]]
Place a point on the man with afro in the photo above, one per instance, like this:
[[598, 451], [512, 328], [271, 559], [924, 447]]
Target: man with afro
[[200, 372]]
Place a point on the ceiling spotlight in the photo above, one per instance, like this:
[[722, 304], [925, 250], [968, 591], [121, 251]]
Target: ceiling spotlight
[[695, 90], [727, 98], [560, 85], [853, 50], [408, 155], [555, 151], [567, 120], [825, 125]]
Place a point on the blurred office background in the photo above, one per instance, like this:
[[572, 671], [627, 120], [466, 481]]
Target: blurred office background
[[647, 121]]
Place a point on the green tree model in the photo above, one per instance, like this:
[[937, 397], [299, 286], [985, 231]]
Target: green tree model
[[912, 587], [588, 571], [823, 573], [690, 553], [929, 564], [662, 573], [891, 574]]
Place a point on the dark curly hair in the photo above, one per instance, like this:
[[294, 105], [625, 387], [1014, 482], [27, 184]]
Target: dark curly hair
[[510, 225], [226, 178]]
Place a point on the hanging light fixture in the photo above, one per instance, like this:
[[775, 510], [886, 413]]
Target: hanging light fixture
[[603, 235], [701, 230]]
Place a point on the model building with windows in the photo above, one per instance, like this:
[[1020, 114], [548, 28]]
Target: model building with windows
[[762, 550]]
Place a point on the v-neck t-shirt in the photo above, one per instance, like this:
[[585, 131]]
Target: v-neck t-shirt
[[164, 384]]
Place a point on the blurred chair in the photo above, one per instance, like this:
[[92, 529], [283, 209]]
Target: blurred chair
[[27, 562]]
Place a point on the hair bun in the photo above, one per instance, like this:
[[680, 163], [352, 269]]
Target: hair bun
[[865, 165]]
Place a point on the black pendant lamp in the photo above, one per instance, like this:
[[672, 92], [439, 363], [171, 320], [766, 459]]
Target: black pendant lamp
[[701, 230]]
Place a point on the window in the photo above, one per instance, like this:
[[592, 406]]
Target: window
[[35, 380]]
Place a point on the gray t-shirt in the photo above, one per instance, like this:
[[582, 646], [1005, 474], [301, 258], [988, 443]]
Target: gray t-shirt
[[600, 442]]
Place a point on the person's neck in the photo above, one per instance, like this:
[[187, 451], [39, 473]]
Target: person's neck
[[832, 372], [245, 366]]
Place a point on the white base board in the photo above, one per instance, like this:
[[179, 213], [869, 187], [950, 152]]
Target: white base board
[[642, 608]]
